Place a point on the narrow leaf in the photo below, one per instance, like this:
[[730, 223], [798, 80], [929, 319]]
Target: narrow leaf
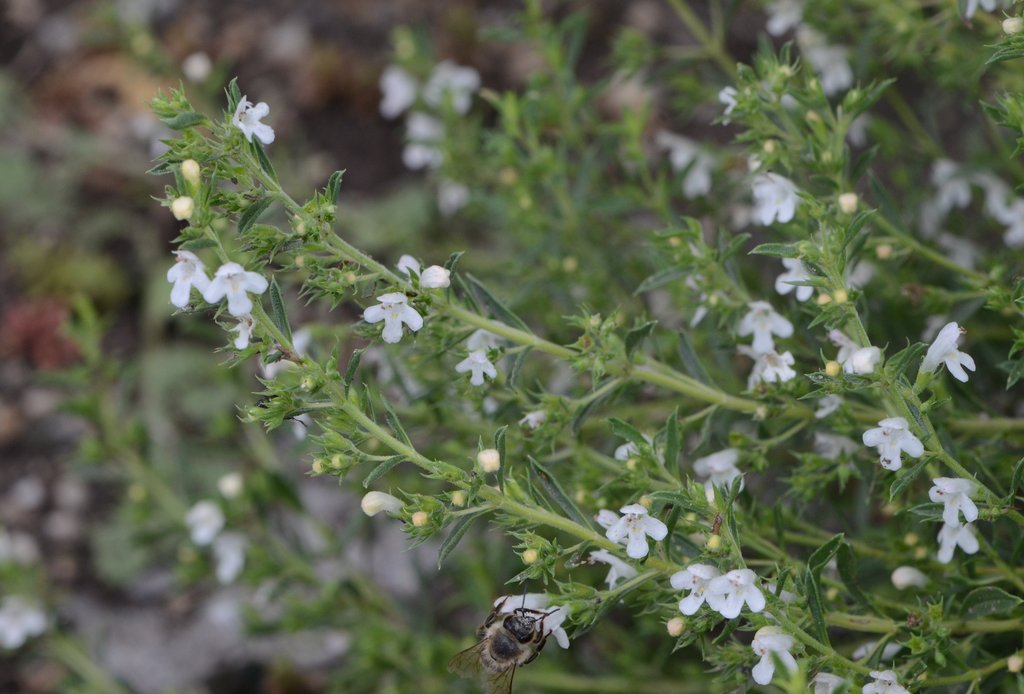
[[382, 469], [186, 119], [252, 213], [557, 494], [776, 250], [334, 186], [496, 307], [905, 477], [499, 445], [353, 366], [989, 600], [459, 529], [636, 336], [278, 313], [691, 362]]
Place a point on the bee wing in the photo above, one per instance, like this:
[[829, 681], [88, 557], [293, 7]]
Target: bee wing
[[467, 663], [500, 682]]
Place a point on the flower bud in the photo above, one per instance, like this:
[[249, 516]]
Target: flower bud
[[883, 251], [1015, 663], [319, 466], [190, 172], [420, 518], [848, 203], [182, 208], [489, 460], [435, 277], [570, 264], [1013, 25], [714, 543], [230, 485], [375, 502], [840, 296], [832, 368], [911, 539], [530, 556], [675, 626], [824, 299], [459, 498], [906, 576]]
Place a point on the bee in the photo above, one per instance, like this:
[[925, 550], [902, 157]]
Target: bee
[[506, 641]]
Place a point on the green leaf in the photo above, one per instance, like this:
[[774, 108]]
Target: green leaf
[[557, 494], [459, 529], [197, 244], [1017, 480], [382, 469], [234, 95], [517, 366], [777, 250], [846, 562], [989, 600], [636, 336], [821, 556], [499, 445], [672, 440], [186, 119], [812, 593], [353, 366], [905, 477], [691, 362], [394, 422], [277, 310], [734, 246], [627, 431], [334, 186], [264, 161], [584, 412], [661, 278], [253, 213], [496, 307], [901, 362], [678, 499]]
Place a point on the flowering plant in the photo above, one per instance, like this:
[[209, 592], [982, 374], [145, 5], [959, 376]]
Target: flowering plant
[[752, 381]]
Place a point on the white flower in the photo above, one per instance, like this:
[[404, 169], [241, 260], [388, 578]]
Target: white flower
[[634, 526], [783, 15], [423, 133], [688, 157], [863, 360], [694, 578], [826, 683], [890, 437], [720, 469], [795, 272], [436, 277], [534, 419], [408, 265], [762, 322], [20, 620], [831, 446], [482, 339], [234, 281], [230, 485], [451, 197], [247, 119], [626, 451], [375, 502], [889, 651], [394, 310], [775, 198], [846, 345], [830, 62], [618, 569], [885, 683], [770, 643], [904, 577], [955, 535], [17, 548], [952, 189], [727, 594], [399, 90], [955, 493], [943, 350], [244, 330], [188, 271], [827, 405], [451, 81], [204, 521], [727, 97], [537, 602], [769, 367], [229, 553], [479, 365], [972, 6]]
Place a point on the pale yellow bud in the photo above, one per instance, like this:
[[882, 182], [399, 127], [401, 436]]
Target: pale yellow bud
[[230, 485], [832, 368], [812, 117], [691, 517], [675, 626], [714, 543], [645, 501], [848, 203], [182, 208], [508, 176], [840, 296], [336, 460], [420, 518], [832, 593], [190, 172], [769, 146], [459, 498], [137, 493], [883, 251], [530, 556], [570, 264], [489, 460], [675, 242], [300, 261], [823, 299], [631, 464], [911, 539], [1015, 663], [1013, 25], [319, 466], [920, 553]]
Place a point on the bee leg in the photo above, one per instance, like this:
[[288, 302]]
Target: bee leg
[[532, 657]]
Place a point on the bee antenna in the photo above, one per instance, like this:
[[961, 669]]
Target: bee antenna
[[524, 595]]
